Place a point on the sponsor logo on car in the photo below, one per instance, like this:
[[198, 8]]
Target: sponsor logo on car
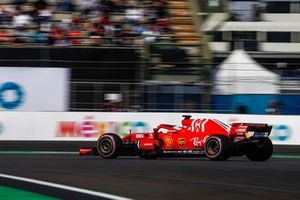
[[198, 125], [196, 141], [168, 142], [139, 136], [181, 141], [184, 151], [148, 144]]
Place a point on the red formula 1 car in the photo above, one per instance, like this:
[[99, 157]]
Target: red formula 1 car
[[196, 137]]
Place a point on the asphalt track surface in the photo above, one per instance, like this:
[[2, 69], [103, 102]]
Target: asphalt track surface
[[165, 178]]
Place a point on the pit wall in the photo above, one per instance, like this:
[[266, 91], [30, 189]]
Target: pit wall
[[85, 126]]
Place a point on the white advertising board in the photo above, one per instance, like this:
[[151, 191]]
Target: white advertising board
[[84, 126], [34, 89]]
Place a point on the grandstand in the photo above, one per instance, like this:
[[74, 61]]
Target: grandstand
[[86, 36]]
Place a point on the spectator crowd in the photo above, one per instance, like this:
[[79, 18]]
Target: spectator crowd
[[83, 22]]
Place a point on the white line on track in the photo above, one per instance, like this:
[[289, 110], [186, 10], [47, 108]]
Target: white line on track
[[64, 187]]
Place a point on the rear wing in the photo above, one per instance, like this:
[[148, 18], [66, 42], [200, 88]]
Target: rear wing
[[258, 129]]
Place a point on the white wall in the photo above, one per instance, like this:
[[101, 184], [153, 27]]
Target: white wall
[[82, 126]]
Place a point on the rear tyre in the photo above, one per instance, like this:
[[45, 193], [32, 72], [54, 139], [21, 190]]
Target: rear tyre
[[109, 146], [218, 147], [260, 151]]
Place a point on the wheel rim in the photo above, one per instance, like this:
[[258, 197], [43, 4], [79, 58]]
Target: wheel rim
[[105, 146], [213, 147]]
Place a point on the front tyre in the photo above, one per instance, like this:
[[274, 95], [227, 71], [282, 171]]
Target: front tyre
[[218, 147], [260, 151], [109, 145]]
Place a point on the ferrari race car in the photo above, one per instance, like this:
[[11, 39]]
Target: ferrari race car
[[196, 137]]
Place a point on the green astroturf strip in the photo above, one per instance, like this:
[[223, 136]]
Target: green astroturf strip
[[9, 193], [285, 156]]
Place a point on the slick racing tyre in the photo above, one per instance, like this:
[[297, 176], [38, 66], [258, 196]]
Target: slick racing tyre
[[218, 147], [261, 150], [109, 145]]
